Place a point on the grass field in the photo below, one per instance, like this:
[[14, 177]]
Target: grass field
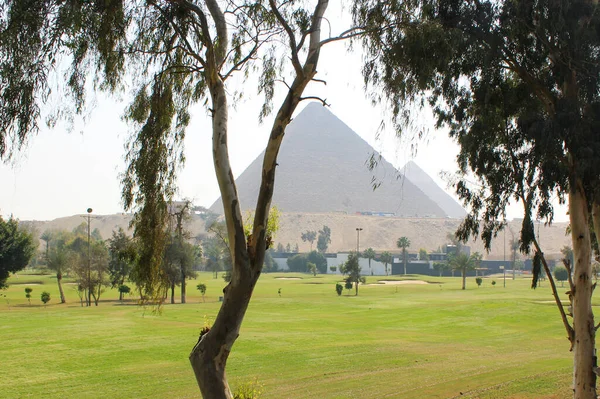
[[392, 341]]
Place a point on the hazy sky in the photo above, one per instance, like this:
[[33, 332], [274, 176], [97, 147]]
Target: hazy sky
[[62, 173]]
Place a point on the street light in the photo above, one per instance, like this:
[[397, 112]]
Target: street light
[[504, 270], [358, 230], [89, 212]]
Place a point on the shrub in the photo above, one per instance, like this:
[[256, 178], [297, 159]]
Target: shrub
[[45, 297], [248, 390], [493, 282], [339, 288], [28, 291], [348, 284], [312, 268], [478, 280], [333, 269]]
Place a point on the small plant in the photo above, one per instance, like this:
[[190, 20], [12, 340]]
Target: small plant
[[124, 289], [28, 291], [493, 282], [348, 284], [561, 274], [202, 288], [279, 292], [333, 269], [248, 390], [312, 268], [478, 280], [339, 288], [45, 297]]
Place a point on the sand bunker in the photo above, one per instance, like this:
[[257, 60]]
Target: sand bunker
[[401, 282], [288, 278]]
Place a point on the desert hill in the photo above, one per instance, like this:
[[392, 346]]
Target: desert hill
[[323, 168], [380, 233]]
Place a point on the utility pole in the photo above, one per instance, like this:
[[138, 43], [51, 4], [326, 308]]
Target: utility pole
[[358, 230], [89, 282]]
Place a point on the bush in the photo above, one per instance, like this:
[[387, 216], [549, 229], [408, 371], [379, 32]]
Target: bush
[[478, 280], [28, 291], [45, 297], [333, 269], [339, 288], [493, 282], [248, 390], [348, 284], [312, 268], [319, 260]]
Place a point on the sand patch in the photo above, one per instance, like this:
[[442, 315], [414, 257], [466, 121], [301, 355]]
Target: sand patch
[[401, 282], [288, 278]]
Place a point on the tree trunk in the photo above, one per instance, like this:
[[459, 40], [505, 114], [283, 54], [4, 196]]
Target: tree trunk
[[464, 278], [356, 293], [60, 288], [209, 356], [182, 284], [584, 378], [172, 293]]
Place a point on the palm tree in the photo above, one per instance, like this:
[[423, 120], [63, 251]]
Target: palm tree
[[369, 254], [47, 237], [404, 242], [462, 262], [386, 258]]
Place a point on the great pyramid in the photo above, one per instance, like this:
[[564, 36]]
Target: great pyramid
[[323, 168]]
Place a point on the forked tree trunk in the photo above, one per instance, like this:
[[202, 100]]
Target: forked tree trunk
[[60, 288], [209, 356], [584, 378]]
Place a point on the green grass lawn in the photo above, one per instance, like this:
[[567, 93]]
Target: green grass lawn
[[392, 341]]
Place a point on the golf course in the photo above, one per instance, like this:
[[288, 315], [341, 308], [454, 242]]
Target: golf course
[[299, 340]]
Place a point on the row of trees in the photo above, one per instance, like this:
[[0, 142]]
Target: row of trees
[[323, 238]]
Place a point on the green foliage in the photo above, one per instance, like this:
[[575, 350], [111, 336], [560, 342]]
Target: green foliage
[[202, 288], [493, 282], [339, 288], [309, 236], [333, 269], [124, 289], [16, 248], [299, 263], [478, 280], [123, 255], [28, 291], [270, 266], [386, 258], [45, 297], [423, 255], [348, 284], [248, 390], [404, 243], [324, 239], [561, 274], [312, 268], [353, 270]]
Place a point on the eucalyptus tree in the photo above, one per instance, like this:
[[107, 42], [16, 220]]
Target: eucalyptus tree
[[310, 236], [404, 243], [324, 239], [517, 84], [175, 53], [59, 259], [16, 248]]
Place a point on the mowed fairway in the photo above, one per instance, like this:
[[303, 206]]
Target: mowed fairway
[[392, 341]]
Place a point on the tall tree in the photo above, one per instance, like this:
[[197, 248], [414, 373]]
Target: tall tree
[[518, 85], [16, 248], [463, 263], [59, 259], [123, 255], [386, 258], [370, 254], [324, 239], [310, 236], [47, 237], [181, 52], [352, 268], [404, 243]]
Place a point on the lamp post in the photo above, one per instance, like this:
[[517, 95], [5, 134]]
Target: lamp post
[[358, 230], [504, 270], [89, 282]]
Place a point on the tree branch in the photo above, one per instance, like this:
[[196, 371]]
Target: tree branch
[[291, 35]]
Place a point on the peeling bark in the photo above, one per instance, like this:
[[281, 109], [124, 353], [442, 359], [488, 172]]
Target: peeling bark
[[584, 378]]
